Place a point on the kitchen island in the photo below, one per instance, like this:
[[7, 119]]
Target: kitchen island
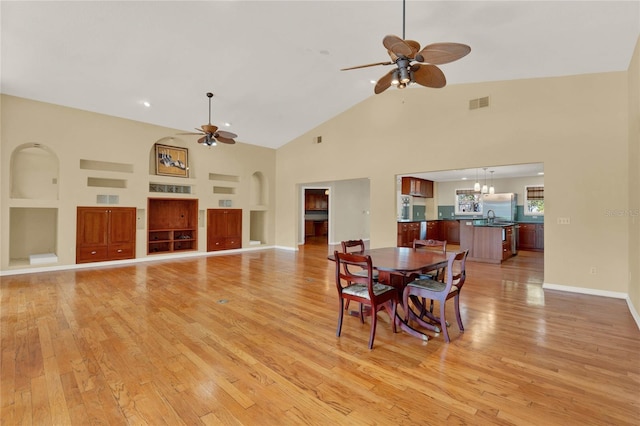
[[488, 242]]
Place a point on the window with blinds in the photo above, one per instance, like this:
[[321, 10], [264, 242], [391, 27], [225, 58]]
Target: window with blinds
[[467, 202], [534, 200]]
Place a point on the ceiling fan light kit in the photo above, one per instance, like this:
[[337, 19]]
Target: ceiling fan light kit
[[414, 65], [211, 135]]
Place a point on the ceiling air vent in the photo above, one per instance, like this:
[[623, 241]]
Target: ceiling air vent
[[479, 103]]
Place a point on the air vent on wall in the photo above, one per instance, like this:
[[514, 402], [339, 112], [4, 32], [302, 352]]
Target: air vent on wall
[[479, 103]]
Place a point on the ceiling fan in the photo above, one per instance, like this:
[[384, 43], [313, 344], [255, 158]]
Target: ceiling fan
[[414, 65], [210, 133]]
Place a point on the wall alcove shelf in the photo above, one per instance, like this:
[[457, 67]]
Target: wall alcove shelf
[[172, 225]]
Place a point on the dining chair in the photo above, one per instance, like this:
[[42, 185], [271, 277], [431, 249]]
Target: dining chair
[[357, 246], [363, 289], [441, 291], [434, 245]]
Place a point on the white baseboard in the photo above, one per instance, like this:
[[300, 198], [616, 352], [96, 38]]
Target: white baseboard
[[594, 292], [153, 258]]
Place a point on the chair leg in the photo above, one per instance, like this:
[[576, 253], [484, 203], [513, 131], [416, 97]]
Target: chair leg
[[443, 322], [394, 306], [362, 313], [374, 320], [340, 315], [346, 305], [456, 302]]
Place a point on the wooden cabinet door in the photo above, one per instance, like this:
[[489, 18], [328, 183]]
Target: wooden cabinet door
[[433, 230], [105, 233], [452, 231], [527, 236], [122, 225], [403, 234], [92, 227], [224, 229]]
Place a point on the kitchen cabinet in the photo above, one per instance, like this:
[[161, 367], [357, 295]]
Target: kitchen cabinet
[[450, 231], [489, 244], [531, 236], [224, 229], [309, 229], [508, 244], [409, 231], [105, 233], [172, 225], [316, 228], [316, 201], [417, 187], [540, 236], [434, 230]]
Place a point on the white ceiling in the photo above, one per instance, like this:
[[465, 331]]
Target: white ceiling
[[274, 65]]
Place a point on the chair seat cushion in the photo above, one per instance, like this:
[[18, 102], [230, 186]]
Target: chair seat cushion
[[360, 290], [363, 273], [432, 285]]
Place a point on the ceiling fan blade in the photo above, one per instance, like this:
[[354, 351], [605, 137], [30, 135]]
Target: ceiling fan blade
[[224, 134], [415, 47], [202, 139], [384, 83], [430, 76], [195, 134], [442, 53], [225, 140], [397, 45], [209, 128], [367, 65]]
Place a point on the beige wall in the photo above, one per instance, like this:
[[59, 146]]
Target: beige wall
[[577, 126], [75, 135], [634, 179]]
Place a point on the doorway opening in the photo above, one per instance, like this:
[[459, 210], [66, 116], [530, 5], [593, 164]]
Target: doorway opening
[[316, 216]]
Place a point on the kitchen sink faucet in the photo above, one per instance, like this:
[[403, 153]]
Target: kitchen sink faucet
[[491, 216]]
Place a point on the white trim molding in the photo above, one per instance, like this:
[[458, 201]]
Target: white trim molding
[[594, 292]]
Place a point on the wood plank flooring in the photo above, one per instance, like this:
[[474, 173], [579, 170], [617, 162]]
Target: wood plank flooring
[[249, 339]]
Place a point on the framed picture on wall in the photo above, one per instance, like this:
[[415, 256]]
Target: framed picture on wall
[[172, 161]]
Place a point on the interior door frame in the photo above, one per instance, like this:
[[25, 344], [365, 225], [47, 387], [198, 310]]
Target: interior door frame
[[303, 188]]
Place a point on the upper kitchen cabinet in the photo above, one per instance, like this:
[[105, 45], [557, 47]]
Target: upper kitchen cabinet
[[417, 187], [316, 200]]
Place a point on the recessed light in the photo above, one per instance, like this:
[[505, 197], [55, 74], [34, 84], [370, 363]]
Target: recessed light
[[146, 104], [464, 178], [227, 124], [372, 81], [540, 173]]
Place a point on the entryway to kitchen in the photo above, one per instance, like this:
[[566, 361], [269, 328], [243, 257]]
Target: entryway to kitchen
[[316, 216]]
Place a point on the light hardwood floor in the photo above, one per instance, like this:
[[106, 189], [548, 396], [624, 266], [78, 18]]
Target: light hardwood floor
[[250, 339]]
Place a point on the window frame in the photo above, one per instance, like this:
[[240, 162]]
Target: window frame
[[526, 207], [467, 191]]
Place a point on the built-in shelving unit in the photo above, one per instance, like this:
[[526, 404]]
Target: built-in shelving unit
[[172, 225]]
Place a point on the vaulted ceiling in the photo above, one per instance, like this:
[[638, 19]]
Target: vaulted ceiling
[[274, 66]]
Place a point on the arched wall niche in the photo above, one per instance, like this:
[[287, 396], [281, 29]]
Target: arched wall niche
[[259, 190], [34, 172]]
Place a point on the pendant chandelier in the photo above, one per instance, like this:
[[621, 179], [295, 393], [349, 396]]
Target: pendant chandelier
[[492, 190], [485, 188]]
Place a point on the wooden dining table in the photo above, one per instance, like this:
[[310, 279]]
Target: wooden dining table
[[396, 267]]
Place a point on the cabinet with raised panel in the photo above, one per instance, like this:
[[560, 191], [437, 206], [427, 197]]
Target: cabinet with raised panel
[[105, 233], [417, 187], [224, 229]]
